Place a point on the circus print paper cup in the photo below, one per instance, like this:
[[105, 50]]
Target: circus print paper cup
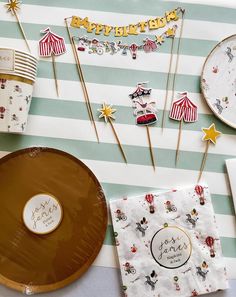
[[17, 76]]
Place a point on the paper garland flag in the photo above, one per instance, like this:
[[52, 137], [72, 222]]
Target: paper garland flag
[[124, 31], [145, 112], [210, 135], [52, 45], [183, 109], [95, 46], [107, 114], [13, 6]]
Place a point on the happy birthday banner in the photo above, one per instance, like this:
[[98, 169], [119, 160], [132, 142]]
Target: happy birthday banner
[[124, 31]]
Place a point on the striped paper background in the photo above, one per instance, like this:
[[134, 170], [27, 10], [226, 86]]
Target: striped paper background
[[63, 122]]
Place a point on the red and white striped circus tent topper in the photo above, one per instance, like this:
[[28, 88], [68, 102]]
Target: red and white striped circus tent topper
[[51, 44], [184, 109]]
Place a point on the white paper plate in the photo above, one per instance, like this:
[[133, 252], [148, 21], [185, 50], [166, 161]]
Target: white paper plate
[[218, 81]]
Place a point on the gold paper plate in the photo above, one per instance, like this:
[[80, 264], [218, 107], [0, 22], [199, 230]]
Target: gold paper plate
[[33, 263]]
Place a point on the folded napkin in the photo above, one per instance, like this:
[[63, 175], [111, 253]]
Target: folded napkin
[[168, 244], [231, 167]]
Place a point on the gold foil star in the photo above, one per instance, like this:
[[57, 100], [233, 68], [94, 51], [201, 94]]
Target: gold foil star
[[159, 39], [211, 133], [170, 32], [107, 112], [13, 6]]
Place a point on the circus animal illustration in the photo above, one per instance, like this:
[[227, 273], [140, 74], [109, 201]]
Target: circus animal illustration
[[205, 86], [229, 54], [17, 89], [176, 284], [95, 47], [194, 293], [3, 83], [129, 269], [120, 216], [221, 104], [142, 226], [215, 69], [143, 107], [192, 217], [149, 280], [170, 206], [145, 110], [2, 112], [201, 272]]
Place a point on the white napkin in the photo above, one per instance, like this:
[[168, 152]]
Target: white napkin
[[231, 167], [168, 244]]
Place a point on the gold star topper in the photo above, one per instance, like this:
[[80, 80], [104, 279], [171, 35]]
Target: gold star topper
[[210, 133], [13, 6], [160, 39], [171, 32], [107, 112]]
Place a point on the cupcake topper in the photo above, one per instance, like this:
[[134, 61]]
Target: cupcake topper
[[210, 135], [13, 6], [145, 111], [107, 114], [183, 109], [49, 46]]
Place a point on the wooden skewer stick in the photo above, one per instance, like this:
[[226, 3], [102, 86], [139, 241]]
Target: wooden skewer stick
[[150, 148], [177, 53], [203, 160], [178, 142], [118, 140], [55, 74], [78, 68], [22, 30], [167, 84], [83, 85]]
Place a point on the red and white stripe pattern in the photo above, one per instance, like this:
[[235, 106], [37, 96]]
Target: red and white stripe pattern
[[51, 44], [184, 109]]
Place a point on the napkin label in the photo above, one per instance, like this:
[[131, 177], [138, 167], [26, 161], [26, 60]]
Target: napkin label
[[7, 59], [42, 214], [171, 247]]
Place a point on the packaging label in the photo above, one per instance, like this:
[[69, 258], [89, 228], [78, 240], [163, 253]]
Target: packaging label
[[7, 59], [171, 247], [42, 214]]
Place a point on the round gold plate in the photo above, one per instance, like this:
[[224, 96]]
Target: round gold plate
[[33, 263]]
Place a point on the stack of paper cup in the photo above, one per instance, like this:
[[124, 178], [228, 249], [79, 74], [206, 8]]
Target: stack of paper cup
[[17, 76]]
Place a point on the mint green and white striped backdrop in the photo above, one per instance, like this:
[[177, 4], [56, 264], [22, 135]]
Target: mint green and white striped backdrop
[[63, 122]]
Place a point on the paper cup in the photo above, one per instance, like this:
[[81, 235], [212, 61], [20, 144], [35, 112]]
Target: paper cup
[[17, 76]]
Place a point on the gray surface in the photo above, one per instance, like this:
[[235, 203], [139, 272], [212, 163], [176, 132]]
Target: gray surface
[[101, 282]]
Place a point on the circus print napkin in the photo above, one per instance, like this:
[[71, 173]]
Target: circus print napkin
[[168, 244]]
